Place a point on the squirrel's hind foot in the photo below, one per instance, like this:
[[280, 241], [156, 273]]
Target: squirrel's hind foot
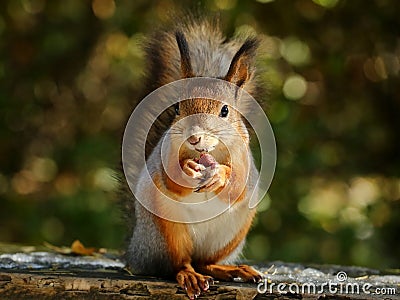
[[192, 282], [229, 273]]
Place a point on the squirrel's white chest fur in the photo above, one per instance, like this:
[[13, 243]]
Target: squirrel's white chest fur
[[214, 234]]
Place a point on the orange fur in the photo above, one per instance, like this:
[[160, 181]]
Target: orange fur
[[178, 242], [175, 188], [176, 236], [235, 184]]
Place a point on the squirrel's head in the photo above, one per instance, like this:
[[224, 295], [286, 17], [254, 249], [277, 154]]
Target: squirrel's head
[[205, 125]]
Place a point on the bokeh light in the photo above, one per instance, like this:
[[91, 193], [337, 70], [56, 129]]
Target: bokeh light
[[72, 72], [294, 87]]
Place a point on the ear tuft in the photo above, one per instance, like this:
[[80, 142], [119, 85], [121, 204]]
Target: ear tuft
[[239, 70], [186, 66]]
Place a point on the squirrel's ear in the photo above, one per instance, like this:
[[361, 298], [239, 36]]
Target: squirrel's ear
[[186, 66], [240, 69]]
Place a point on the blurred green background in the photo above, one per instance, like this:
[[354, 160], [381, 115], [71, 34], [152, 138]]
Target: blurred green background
[[70, 71]]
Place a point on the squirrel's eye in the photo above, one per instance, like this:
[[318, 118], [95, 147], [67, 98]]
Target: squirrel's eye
[[177, 108], [224, 111]]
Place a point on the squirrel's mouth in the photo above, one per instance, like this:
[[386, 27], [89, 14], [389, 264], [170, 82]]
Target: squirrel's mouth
[[202, 142], [205, 149]]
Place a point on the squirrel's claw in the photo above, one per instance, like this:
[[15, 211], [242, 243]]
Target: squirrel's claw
[[193, 283], [205, 285]]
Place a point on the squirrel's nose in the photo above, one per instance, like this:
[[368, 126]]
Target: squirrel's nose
[[194, 139]]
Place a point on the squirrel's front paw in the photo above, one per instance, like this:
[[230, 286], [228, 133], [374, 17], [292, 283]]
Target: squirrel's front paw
[[192, 168], [216, 181], [194, 171]]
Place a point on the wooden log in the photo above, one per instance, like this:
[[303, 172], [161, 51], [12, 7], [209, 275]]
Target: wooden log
[[46, 275]]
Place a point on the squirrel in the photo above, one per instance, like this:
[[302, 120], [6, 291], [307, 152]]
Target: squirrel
[[196, 253]]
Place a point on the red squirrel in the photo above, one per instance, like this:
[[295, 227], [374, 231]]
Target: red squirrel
[[197, 253]]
